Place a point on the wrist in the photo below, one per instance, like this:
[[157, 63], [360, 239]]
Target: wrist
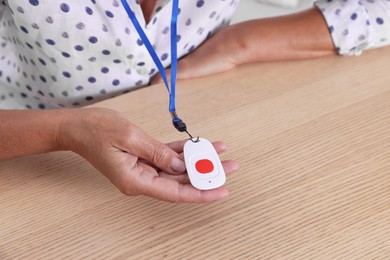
[[234, 41], [80, 128], [245, 41], [69, 129]]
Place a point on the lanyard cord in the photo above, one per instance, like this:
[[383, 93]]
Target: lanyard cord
[[177, 122]]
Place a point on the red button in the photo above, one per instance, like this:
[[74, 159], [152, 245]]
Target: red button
[[204, 166]]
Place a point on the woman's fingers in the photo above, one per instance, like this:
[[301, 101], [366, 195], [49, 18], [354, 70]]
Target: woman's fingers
[[176, 188], [229, 167], [177, 146], [158, 154], [173, 191]]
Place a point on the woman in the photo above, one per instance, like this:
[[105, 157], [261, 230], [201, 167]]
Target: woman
[[82, 53], [71, 53]]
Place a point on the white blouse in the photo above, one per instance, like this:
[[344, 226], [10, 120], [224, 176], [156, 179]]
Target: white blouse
[[72, 53], [357, 25]]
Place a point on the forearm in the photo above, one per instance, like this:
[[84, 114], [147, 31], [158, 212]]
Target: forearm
[[29, 132], [298, 36]]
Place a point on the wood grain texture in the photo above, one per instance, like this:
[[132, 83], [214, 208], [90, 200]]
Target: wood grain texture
[[313, 142]]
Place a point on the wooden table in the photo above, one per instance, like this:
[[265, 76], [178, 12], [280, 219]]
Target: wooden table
[[313, 142]]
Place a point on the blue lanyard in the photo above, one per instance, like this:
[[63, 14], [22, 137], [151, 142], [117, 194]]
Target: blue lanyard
[[177, 122]]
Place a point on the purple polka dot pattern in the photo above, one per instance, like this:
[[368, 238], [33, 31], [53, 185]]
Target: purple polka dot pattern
[[76, 52], [356, 26]]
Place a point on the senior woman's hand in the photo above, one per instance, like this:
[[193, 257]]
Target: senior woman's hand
[[133, 161]]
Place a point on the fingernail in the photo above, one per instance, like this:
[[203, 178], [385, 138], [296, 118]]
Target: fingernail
[[178, 165]]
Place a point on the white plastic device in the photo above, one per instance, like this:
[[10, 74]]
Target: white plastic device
[[203, 165]]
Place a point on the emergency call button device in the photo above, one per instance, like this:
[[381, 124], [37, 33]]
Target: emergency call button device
[[203, 165]]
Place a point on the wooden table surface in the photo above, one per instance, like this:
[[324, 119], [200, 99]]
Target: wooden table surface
[[313, 141]]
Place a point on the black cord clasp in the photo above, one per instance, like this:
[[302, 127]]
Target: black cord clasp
[[181, 126]]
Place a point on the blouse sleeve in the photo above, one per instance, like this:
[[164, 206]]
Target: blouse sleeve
[[355, 25], [2, 6]]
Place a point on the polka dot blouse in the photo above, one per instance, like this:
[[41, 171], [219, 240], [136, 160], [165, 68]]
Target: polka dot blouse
[[357, 25], [72, 53]]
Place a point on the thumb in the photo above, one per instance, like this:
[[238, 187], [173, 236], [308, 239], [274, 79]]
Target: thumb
[[159, 154]]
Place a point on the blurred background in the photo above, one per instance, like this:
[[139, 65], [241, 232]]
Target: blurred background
[[252, 9]]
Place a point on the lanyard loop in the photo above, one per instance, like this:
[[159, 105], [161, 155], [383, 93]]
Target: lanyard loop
[[175, 13], [177, 122]]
